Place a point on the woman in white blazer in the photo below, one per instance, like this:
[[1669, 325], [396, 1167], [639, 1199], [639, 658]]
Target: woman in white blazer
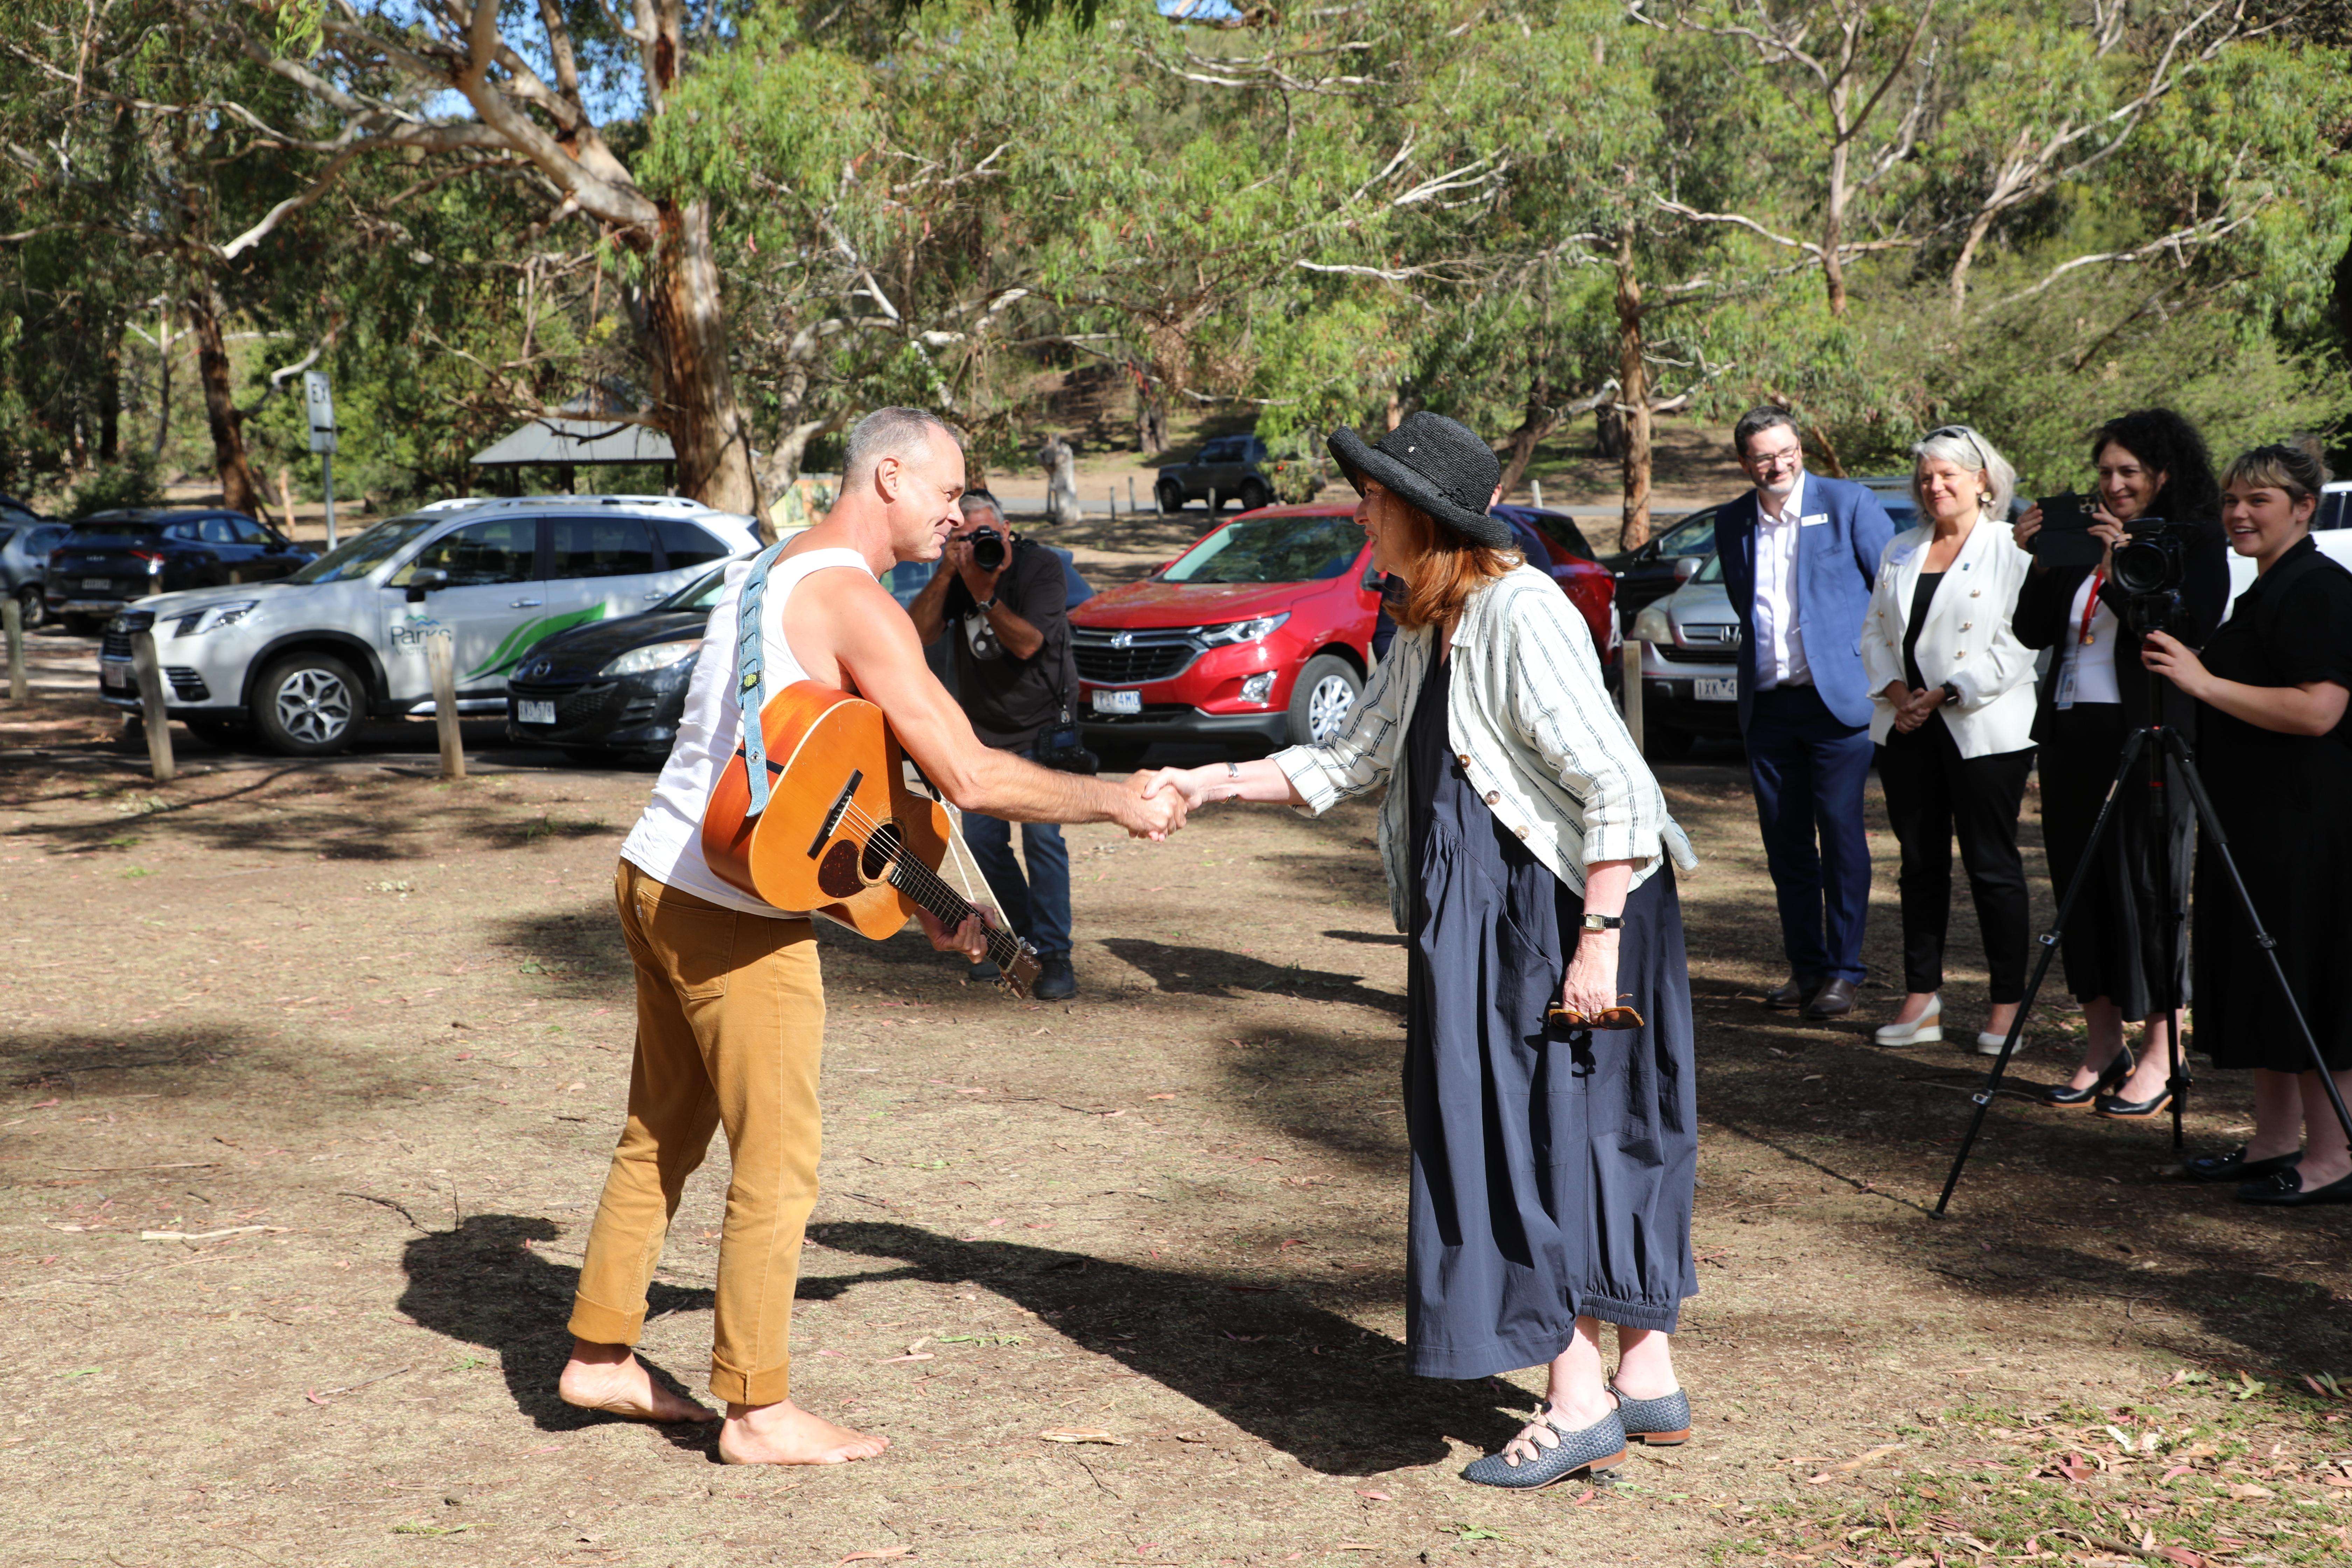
[[1953, 722]]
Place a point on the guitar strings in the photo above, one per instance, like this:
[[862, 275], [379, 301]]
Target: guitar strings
[[915, 870]]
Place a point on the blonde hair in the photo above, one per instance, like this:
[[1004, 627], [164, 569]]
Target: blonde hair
[[1964, 447], [2294, 466], [1440, 567]]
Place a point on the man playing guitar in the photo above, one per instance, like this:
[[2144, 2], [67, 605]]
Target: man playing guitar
[[730, 1006]]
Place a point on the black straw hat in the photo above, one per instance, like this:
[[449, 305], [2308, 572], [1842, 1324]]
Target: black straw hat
[[1439, 465]]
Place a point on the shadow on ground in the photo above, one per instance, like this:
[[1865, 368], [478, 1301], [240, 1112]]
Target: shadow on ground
[[1309, 1381]]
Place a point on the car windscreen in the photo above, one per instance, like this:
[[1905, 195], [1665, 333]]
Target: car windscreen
[[1272, 550], [1693, 536], [358, 556], [702, 594], [1711, 572]]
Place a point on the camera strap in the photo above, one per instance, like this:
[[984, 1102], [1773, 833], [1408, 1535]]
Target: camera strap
[[2091, 606]]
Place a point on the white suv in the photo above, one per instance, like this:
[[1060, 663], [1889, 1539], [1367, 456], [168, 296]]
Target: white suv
[[298, 663]]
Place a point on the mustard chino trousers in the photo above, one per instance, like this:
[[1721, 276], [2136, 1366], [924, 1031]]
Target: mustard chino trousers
[[730, 1025]]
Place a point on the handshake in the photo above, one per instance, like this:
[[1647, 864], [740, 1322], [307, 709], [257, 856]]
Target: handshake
[[1155, 802]]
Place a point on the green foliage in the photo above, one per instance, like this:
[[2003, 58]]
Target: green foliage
[[133, 481]]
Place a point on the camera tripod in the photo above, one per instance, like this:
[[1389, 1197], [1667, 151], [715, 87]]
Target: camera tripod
[[2156, 742]]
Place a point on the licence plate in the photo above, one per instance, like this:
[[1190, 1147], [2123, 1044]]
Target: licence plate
[[98, 583], [1716, 689], [113, 675], [534, 712], [1118, 702]]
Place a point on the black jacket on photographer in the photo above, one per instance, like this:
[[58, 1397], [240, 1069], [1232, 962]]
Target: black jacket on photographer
[[2044, 619], [1013, 702]]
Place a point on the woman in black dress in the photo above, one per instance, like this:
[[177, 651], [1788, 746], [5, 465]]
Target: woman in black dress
[[2276, 755], [1529, 856], [2122, 963]]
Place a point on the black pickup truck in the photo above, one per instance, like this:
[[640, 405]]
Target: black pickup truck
[[1230, 468]]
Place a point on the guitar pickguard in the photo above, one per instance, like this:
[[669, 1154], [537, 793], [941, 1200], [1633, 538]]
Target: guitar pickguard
[[837, 875]]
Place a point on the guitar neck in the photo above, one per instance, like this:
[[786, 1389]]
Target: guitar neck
[[950, 908]]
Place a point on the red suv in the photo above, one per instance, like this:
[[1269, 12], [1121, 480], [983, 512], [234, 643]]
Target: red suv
[[1261, 635]]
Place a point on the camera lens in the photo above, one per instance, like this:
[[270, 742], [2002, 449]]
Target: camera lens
[[987, 549]]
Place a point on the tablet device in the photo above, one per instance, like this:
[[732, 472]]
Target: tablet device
[[2066, 539]]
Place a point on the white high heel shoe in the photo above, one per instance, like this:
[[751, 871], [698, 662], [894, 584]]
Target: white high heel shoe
[[1927, 1026]]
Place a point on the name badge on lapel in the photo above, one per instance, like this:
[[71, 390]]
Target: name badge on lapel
[[1817, 519]]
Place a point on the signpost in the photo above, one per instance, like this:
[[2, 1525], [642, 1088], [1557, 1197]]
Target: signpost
[[321, 401]]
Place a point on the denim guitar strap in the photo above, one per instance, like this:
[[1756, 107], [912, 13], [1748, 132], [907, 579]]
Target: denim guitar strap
[[751, 678]]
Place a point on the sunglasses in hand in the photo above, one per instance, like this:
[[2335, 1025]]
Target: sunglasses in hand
[[1559, 1020]]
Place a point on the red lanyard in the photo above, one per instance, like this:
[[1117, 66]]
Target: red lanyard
[[2091, 606]]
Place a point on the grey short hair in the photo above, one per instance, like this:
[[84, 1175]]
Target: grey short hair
[[984, 501], [888, 433], [1965, 447]]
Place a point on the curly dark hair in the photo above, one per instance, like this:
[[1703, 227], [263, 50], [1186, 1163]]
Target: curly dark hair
[[2170, 444]]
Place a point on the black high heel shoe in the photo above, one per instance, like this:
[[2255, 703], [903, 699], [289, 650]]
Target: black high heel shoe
[[2106, 1084], [2115, 1107]]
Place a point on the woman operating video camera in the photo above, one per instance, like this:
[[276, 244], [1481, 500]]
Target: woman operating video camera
[[2125, 953], [2276, 756]]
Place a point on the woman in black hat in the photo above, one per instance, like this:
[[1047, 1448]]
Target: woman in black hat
[[1527, 852]]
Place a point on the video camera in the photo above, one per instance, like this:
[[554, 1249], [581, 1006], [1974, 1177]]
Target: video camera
[[2151, 566]]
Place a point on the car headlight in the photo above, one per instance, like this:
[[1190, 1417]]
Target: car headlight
[[654, 655], [1234, 632], [1652, 625], [212, 618]]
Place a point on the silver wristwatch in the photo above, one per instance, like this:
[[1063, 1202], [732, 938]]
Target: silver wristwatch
[[1603, 923]]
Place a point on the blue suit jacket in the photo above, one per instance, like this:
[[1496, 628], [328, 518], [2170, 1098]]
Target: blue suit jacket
[[1837, 562]]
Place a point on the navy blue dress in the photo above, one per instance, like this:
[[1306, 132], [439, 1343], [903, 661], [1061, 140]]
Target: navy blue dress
[[1550, 1180]]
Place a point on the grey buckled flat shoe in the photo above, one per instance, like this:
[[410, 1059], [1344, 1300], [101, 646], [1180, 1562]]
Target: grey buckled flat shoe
[[1600, 1444], [1661, 1423]]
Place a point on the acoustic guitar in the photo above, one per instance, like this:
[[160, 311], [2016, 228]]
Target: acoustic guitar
[[852, 831]]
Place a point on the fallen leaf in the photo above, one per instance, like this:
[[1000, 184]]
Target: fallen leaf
[[1355, 1546], [1870, 1457], [2183, 1555], [314, 1398], [2177, 1470], [1376, 1497], [44, 1105], [919, 1355], [2245, 1491], [207, 1235], [1158, 1097], [879, 1553], [1081, 1435]]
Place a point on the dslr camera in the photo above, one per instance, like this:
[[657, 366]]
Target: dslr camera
[[2150, 566], [989, 548]]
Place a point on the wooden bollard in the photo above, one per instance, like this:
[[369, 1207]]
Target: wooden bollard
[[11, 618], [441, 658], [155, 716]]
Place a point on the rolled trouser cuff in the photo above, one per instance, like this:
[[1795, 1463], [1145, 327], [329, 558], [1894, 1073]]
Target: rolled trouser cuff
[[765, 1387], [602, 1325]]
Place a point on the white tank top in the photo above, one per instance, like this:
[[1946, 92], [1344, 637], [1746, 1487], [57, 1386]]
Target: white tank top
[[666, 843]]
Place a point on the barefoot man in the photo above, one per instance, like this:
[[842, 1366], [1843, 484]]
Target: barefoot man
[[731, 1007]]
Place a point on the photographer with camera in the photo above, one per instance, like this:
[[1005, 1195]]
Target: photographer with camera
[[2276, 756], [2156, 493], [1003, 602]]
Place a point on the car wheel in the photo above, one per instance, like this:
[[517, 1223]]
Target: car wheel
[[224, 734], [84, 625], [1665, 742], [308, 705], [29, 601], [1322, 699], [1171, 494], [1253, 495]]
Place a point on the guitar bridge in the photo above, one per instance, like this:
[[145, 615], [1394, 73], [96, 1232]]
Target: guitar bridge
[[832, 819]]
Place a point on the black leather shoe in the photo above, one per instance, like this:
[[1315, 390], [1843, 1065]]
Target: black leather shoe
[[984, 973], [2283, 1189], [2233, 1167], [2106, 1084], [2115, 1107], [1833, 1000], [1055, 980], [1795, 992]]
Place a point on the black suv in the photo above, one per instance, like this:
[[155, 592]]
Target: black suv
[[113, 557], [1230, 468]]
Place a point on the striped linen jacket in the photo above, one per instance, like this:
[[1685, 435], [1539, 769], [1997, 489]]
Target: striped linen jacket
[[1532, 724]]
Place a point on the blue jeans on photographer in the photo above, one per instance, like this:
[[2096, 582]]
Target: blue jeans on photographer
[[1036, 908]]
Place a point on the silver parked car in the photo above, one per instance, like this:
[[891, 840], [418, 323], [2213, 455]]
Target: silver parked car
[[297, 664]]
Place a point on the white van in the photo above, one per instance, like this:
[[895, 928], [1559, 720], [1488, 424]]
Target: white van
[[295, 665]]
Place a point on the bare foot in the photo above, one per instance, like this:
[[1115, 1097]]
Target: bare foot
[[784, 1434], [593, 1380]]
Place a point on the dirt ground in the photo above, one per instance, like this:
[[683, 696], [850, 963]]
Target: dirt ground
[[311, 1073]]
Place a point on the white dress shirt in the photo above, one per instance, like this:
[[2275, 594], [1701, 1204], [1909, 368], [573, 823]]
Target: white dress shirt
[[2087, 672], [1779, 641]]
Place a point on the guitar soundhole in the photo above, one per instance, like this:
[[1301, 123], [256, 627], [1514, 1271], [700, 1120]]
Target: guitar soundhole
[[837, 874], [880, 850]]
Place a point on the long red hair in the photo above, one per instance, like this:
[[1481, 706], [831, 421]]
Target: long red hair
[[1440, 567]]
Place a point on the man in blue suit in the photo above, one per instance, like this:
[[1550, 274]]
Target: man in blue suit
[[1798, 560]]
